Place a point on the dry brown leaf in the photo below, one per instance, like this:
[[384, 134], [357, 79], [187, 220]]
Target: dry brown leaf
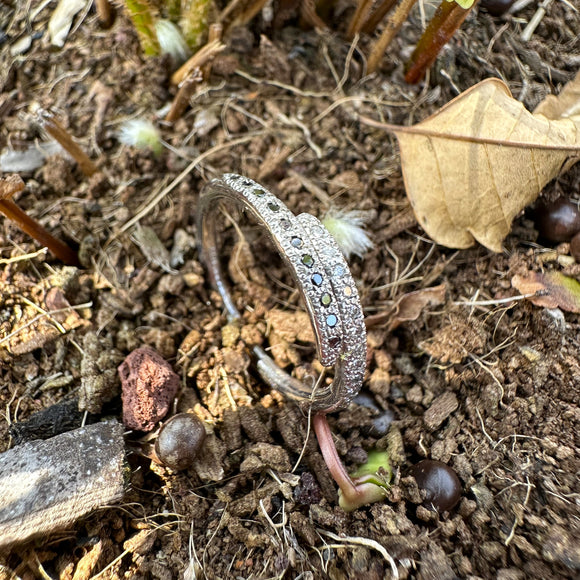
[[474, 165], [408, 307], [550, 289]]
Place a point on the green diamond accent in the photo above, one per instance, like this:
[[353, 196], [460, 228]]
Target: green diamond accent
[[273, 206], [325, 299], [259, 192], [308, 260]]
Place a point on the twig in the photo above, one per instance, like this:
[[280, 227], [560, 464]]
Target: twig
[[359, 17], [378, 14], [203, 56], [392, 27], [58, 132]]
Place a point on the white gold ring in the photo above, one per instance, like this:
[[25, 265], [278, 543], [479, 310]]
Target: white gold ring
[[321, 274]]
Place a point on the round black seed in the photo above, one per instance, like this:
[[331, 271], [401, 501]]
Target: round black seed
[[273, 206], [317, 279], [296, 242], [285, 224], [331, 320], [308, 260], [325, 299], [259, 192]]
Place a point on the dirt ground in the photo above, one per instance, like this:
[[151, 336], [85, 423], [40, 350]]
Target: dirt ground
[[491, 389]]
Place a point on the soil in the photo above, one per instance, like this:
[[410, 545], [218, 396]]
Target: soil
[[491, 389]]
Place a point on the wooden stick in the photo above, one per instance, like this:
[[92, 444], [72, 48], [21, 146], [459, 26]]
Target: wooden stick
[[392, 27], [378, 14], [30, 226], [58, 132], [358, 18]]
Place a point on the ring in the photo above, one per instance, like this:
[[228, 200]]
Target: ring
[[321, 275]]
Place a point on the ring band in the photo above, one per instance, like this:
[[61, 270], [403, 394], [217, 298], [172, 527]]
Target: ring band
[[321, 275]]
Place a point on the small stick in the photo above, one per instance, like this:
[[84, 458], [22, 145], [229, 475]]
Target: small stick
[[358, 18], [448, 17], [392, 27], [181, 100], [104, 13], [58, 132], [204, 55], [8, 187], [378, 14], [214, 35]]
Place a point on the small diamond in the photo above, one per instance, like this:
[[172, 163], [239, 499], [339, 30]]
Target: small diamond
[[347, 291], [247, 183], [273, 206], [331, 320], [338, 270], [317, 279], [285, 224], [325, 299], [259, 192], [308, 260], [296, 242]]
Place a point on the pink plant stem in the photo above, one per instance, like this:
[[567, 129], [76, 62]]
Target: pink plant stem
[[331, 458]]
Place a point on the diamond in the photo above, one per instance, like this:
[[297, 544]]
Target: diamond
[[259, 192], [273, 206], [317, 279], [347, 291], [296, 242], [331, 320], [308, 260], [325, 299], [285, 224]]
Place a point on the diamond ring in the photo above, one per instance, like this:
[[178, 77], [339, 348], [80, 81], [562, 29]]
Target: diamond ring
[[320, 273]]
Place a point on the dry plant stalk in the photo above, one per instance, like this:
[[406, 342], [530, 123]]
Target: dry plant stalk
[[13, 184], [309, 15], [392, 27], [359, 17], [202, 57], [104, 13], [377, 15], [214, 34], [240, 12], [49, 123], [448, 17], [181, 100]]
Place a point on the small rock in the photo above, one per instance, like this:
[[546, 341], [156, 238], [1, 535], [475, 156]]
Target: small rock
[[149, 387]]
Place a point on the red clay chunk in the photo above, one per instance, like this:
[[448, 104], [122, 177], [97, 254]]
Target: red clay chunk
[[149, 387]]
